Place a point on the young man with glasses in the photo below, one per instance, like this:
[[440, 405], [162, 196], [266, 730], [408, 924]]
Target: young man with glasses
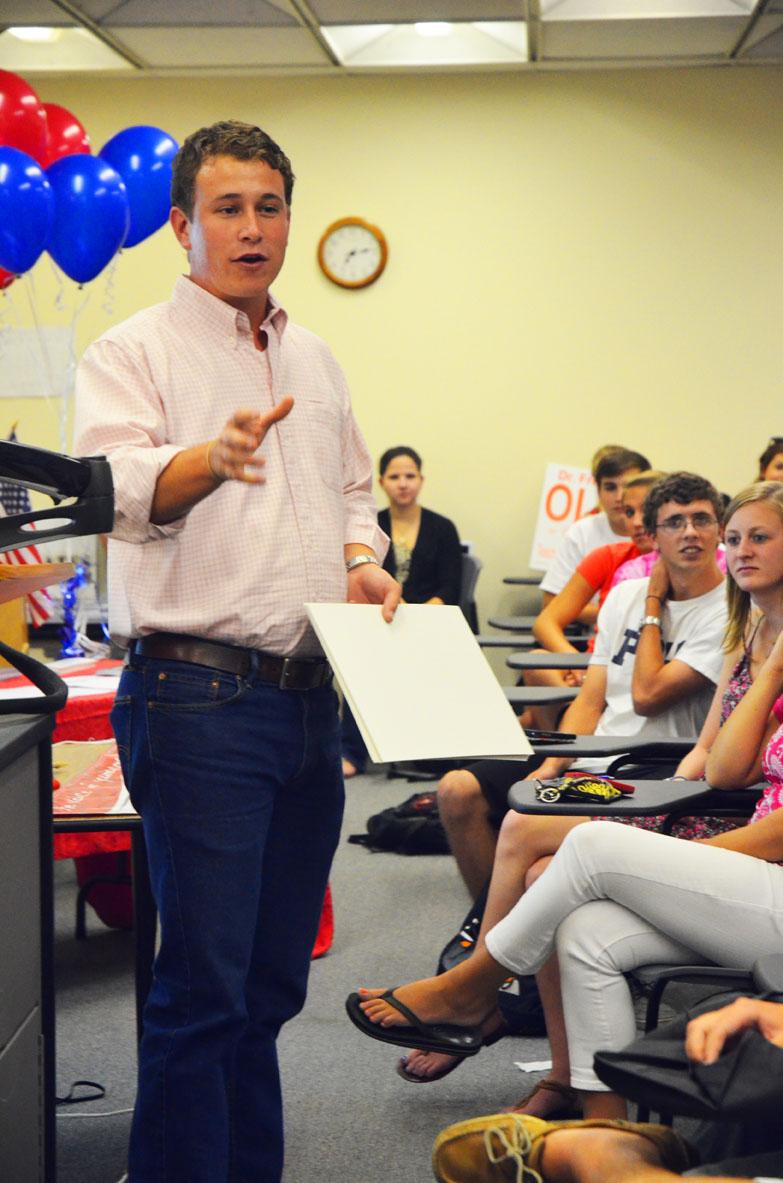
[[657, 658]]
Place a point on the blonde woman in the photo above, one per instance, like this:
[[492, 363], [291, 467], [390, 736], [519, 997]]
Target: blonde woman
[[639, 897]]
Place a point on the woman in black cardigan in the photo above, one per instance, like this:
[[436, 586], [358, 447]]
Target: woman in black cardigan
[[425, 556]]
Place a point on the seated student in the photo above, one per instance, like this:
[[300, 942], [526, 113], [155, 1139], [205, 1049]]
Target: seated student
[[425, 557], [494, 1148], [754, 534], [593, 576], [606, 907], [656, 661], [771, 460], [612, 472]]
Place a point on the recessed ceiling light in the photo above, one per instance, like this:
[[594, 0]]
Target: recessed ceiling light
[[33, 33], [464, 43], [433, 28]]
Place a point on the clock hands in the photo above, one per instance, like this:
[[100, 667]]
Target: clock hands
[[357, 250]]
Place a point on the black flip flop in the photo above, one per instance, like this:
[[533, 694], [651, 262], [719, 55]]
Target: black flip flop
[[412, 1078], [429, 1037]]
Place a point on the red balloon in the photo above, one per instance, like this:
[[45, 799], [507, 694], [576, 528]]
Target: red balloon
[[22, 117], [6, 278], [65, 136]]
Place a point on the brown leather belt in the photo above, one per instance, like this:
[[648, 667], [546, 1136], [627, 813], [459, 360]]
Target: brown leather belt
[[288, 673]]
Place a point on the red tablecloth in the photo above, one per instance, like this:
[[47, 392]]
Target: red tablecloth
[[85, 717]]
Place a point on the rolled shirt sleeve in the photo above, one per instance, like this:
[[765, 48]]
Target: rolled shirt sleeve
[[361, 515], [119, 415]]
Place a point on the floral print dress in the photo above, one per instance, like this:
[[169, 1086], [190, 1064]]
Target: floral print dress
[[690, 828]]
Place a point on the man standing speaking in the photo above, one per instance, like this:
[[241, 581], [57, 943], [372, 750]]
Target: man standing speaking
[[242, 490]]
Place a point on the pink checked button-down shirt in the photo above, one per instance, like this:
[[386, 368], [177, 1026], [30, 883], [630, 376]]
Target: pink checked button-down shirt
[[239, 567]]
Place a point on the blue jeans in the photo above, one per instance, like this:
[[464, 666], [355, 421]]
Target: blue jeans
[[353, 746], [240, 789]]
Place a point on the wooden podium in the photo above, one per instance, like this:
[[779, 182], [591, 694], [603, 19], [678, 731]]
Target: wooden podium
[[15, 583]]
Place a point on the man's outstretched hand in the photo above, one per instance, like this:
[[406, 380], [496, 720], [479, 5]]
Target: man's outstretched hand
[[232, 456]]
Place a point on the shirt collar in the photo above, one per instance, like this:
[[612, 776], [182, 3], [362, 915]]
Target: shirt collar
[[218, 316]]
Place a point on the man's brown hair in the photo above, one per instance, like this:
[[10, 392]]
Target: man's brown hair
[[243, 141]]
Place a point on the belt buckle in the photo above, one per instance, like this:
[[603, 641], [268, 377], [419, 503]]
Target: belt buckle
[[287, 673]]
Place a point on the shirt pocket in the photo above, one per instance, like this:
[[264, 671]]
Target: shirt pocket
[[324, 434]]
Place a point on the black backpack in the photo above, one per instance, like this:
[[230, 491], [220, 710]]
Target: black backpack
[[518, 998], [414, 827]]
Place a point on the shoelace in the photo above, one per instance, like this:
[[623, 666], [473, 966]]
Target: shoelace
[[513, 1150]]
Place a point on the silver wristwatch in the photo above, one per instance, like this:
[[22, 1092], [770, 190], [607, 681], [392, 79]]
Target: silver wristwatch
[[656, 620], [357, 561]]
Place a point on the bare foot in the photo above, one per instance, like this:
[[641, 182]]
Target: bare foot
[[549, 1099], [433, 1000], [433, 1065], [349, 769], [574, 1155], [427, 1065]]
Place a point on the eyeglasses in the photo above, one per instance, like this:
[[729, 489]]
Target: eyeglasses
[[678, 522]]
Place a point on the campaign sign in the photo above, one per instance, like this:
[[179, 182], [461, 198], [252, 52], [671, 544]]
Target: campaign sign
[[567, 494]]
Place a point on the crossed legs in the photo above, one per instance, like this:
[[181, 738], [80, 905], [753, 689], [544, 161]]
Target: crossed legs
[[525, 845], [611, 902]]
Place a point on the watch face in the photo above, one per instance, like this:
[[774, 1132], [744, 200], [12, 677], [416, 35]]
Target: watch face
[[352, 254]]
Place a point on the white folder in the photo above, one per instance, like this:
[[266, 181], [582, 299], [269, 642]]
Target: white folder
[[420, 687]]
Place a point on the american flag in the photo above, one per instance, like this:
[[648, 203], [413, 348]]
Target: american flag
[[16, 499]]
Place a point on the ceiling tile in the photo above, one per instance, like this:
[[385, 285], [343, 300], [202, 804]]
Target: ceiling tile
[[227, 13], [95, 9], [221, 48], [646, 39], [74, 50], [580, 10], [32, 12], [395, 12], [766, 40], [479, 43]]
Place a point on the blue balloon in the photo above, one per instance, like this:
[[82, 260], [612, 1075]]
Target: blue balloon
[[90, 215], [143, 156], [26, 209]]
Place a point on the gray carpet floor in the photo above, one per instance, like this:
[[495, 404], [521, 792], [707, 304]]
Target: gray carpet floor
[[349, 1117]]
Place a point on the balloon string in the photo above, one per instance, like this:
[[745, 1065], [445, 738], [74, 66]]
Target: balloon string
[[59, 299], [8, 304], [70, 369], [110, 293], [8, 310], [32, 300]]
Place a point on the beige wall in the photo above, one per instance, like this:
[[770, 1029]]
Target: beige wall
[[574, 259]]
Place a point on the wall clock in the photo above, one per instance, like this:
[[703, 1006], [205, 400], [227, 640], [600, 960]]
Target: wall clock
[[352, 252]]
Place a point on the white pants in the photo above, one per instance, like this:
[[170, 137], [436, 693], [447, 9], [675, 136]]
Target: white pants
[[614, 898]]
